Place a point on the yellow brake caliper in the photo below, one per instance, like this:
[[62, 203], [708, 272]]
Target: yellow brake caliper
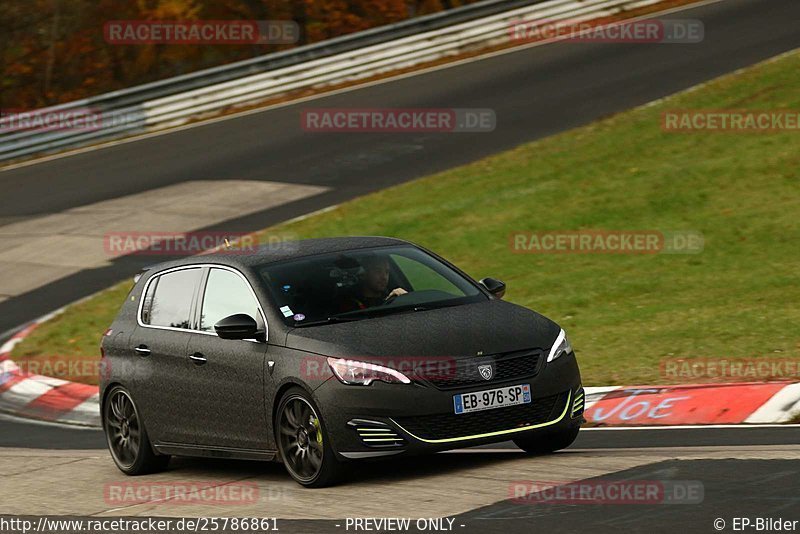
[[315, 422]]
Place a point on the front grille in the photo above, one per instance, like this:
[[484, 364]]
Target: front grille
[[451, 425], [376, 434], [465, 373]]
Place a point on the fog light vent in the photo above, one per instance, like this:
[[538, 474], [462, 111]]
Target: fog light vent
[[577, 404], [376, 433]]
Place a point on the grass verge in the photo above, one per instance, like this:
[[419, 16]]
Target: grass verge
[[625, 314]]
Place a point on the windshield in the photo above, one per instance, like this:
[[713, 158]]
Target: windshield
[[364, 283]]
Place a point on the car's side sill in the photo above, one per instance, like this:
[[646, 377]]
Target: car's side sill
[[182, 449]]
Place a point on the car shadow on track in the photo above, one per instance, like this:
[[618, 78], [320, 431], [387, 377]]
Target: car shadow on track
[[377, 471]]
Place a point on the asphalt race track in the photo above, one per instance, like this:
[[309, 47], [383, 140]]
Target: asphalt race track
[[27, 434], [535, 92], [54, 470]]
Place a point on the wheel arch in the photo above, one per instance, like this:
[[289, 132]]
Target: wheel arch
[[281, 392]]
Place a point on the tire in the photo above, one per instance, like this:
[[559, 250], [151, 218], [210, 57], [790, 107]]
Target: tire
[[127, 437], [303, 442], [548, 443]]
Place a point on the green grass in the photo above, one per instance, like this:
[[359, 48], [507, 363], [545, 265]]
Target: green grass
[[73, 336], [624, 313]]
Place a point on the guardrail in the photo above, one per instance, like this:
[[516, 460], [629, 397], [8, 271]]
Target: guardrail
[[174, 101]]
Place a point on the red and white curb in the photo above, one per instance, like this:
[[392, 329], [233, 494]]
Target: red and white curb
[[52, 399], [695, 404], [42, 397]]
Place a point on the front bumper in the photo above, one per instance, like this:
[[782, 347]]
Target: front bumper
[[387, 419]]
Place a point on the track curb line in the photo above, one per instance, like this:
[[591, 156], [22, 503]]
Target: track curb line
[[44, 398], [50, 399]]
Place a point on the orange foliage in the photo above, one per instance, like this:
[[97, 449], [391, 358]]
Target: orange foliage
[[54, 51]]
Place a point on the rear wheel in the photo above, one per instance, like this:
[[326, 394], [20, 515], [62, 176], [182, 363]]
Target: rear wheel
[[547, 443], [126, 436], [303, 442]]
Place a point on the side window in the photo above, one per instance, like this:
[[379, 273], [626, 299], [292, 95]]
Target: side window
[[148, 300], [421, 277], [168, 301], [227, 294]]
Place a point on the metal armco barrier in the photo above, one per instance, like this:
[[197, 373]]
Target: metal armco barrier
[[177, 100]]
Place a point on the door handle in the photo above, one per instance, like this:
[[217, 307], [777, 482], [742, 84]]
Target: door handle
[[198, 358], [142, 350]]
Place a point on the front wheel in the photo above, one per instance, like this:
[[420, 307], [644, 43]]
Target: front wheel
[[547, 443], [303, 442], [126, 436]]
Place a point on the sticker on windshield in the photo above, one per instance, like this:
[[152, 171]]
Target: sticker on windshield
[[298, 317], [286, 311]]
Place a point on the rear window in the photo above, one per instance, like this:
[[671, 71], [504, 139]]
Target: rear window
[[168, 300]]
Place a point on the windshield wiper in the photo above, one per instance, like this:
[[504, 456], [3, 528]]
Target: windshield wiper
[[329, 320], [357, 315], [381, 311]]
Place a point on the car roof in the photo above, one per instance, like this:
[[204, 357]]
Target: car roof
[[283, 250]]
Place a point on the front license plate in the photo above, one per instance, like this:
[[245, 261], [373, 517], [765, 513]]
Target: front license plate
[[492, 398]]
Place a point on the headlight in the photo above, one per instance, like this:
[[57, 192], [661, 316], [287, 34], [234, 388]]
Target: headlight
[[363, 373], [561, 346]]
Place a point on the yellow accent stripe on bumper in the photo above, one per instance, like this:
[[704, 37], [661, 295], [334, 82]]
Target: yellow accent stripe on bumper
[[491, 434]]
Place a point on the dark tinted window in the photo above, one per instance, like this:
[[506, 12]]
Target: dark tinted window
[[380, 280], [226, 294], [148, 301], [169, 304]]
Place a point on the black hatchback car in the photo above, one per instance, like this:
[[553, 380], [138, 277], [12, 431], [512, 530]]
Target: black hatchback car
[[324, 352]]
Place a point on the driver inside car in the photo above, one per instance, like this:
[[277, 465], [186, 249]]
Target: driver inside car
[[373, 286]]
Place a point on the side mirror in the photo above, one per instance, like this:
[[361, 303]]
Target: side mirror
[[494, 286], [238, 326]]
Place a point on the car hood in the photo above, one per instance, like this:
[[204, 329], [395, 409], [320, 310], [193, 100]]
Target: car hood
[[463, 331]]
